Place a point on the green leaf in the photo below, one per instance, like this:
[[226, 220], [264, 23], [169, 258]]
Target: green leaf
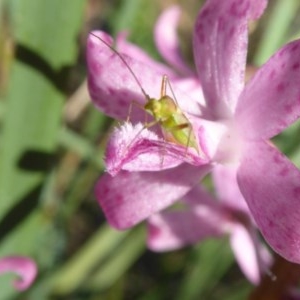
[[34, 106], [100, 263], [275, 31], [31, 126], [49, 28], [213, 258], [46, 32]]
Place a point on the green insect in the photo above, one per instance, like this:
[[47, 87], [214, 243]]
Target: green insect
[[175, 125]]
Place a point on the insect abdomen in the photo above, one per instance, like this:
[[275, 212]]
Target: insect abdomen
[[179, 132]]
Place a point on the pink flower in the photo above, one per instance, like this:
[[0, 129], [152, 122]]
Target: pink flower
[[23, 266], [232, 123], [204, 217], [132, 191], [269, 103]]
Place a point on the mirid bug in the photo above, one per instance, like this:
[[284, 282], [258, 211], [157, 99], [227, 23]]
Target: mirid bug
[[175, 126]]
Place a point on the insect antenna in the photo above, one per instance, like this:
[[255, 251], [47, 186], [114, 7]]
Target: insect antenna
[[147, 97], [124, 62]]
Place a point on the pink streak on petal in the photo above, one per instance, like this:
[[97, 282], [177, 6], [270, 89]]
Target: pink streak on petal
[[23, 266], [273, 196], [166, 39], [129, 198], [135, 148], [271, 100], [220, 48]]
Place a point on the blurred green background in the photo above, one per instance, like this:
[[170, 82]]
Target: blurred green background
[[52, 143]]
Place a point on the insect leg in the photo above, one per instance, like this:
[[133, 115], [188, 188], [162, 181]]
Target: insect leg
[[137, 104], [190, 130], [163, 88]]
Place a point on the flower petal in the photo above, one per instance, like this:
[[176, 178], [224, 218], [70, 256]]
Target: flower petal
[[192, 87], [129, 198], [125, 47], [135, 148], [166, 39], [270, 184], [23, 266], [171, 230], [271, 100], [246, 253], [200, 196], [113, 86], [225, 181], [220, 48]]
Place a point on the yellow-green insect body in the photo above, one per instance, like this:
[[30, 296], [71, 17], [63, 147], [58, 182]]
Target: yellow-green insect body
[[175, 125]]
